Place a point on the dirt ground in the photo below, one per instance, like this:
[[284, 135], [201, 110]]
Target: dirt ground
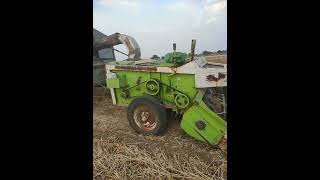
[[121, 153]]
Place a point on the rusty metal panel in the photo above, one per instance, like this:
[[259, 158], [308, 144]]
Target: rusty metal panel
[[132, 46], [137, 68], [116, 39], [106, 53], [107, 41], [206, 75], [99, 75], [98, 35], [102, 51], [212, 77]]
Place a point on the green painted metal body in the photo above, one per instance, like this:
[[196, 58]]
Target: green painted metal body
[[176, 91], [215, 126], [118, 82], [170, 86]]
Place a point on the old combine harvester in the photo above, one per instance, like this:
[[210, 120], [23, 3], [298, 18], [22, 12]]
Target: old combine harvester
[[187, 85]]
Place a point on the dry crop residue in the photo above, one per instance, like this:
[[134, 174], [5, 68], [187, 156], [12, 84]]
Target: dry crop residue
[[120, 153]]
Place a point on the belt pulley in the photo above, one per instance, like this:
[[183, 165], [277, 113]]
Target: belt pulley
[[152, 86]]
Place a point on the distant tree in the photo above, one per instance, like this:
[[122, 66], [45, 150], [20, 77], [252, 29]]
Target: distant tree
[[155, 57], [221, 52], [206, 53]]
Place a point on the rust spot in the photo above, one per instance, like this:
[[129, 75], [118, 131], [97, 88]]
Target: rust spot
[[221, 76], [213, 78], [174, 69], [137, 68]]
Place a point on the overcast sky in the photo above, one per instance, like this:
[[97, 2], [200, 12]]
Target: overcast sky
[[157, 24]]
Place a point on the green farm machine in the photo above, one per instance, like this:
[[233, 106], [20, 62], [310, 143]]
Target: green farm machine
[[187, 85]]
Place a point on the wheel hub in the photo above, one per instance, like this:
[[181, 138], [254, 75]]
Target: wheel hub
[[145, 118]]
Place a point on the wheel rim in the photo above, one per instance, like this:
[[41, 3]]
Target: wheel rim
[[145, 117]]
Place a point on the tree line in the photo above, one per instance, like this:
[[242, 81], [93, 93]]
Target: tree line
[[204, 53]]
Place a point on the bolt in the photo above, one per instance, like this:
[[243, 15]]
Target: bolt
[[200, 124]]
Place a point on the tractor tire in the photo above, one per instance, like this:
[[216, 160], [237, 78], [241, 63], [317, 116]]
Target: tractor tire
[[147, 116]]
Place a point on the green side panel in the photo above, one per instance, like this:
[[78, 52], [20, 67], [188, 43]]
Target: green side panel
[[131, 83], [182, 82], [215, 126], [118, 82], [113, 83]]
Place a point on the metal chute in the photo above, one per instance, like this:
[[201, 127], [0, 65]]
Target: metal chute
[[116, 39]]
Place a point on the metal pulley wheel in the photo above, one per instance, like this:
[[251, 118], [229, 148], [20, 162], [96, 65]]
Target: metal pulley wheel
[[181, 100], [152, 87]]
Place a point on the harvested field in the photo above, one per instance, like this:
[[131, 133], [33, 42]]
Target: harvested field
[[217, 58], [120, 153]]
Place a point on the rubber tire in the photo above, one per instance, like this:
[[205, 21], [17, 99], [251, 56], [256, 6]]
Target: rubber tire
[[156, 106]]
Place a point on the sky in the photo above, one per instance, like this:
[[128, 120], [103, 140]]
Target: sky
[[157, 24]]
